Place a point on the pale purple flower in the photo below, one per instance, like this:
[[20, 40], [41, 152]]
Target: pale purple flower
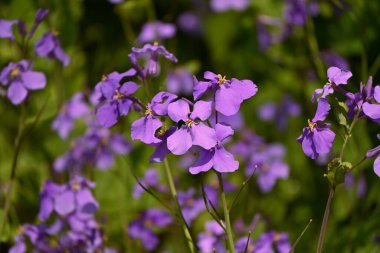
[[375, 152], [229, 94], [217, 157], [336, 77], [191, 131], [20, 79], [212, 239], [333, 59], [142, 228], [245, 245], [114, 100], [144, 129], [190, 205], [49, 46], [6, 29], [317, 138], [74, 109], [225, 5], [295, 12], [156, 31], [360, 185], [372, 110], [270, 241], [190, 22], [150, 53], [180, 82]]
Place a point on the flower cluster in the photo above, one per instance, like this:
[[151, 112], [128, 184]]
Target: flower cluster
[[68, 224]]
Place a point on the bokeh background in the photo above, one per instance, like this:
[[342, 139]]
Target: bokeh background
[[98, 36]]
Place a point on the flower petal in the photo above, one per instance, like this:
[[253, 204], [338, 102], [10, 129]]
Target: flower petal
[[33, 80], [204, 163], [202, 110], [203, 136], [179, 110], [180, 141], [17, 92], [107, 114], [224, 161], [227, 101], [144, 129]]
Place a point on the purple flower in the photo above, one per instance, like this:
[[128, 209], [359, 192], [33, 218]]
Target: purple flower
[[150, 53], [114, 100], [49, 46], [96, 148], [280, 112], [270, 166], [142, 228], [20, 79], [40, 15], [365, 95], [6, 31], [212, 239], [225, 5], [336, 77], [375, 152], [372, 110], [191, 207], [296, 12], [150, 180], [73, 109], [317, 138], [360, 185], [190, 22], [145, 128], [190, 132], [156, 31], [241, 245], [180, 82], [217, 157], [333, 59], [267, 241], [229, 94], [162, 147]]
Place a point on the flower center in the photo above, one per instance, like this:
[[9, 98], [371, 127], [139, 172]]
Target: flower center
[[148, 111], [15, 72], [162, 131], [104, 77], [190, 202], [221, 79], [20, 230], [148, 223], [156, 43], [311, 124], [75, 185], [118, 95], [189, 122], [276, 237]]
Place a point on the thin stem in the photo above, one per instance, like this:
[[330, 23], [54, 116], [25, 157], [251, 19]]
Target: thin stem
[[247, 243], [348, 133], [173, 191], [18, 142], [241, 189], [325, 220], [313, 45], [359, 163], [230, 238], [300, 236], [206, 201]]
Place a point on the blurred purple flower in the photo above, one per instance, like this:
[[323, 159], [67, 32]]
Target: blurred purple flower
[[268, 240], [375, 152], [150, 180], [6, 31], [114, 100], [156, 31], [142, 228], [190, 22], [74, 109], [190, 132], [225, 5], [279, 112], [21, 79], [333, 59], [191, 207], [295, 12], [180, 82], [144, 129], [217, 157], [150, 53], [229, 94], [359, 185], [317, 138], [96, 147], [49, 46], [212, 239]]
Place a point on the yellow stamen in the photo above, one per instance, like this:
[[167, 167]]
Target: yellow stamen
[[148, 223], [118, 95], [75, 185], [311, 124], [156, 43], [162, 131], [276, 237], [15, 72], [148, 111], [104, 77], [189, 122], [20, 230], [221, 79]]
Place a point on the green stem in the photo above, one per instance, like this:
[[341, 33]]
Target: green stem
[[314, 49], [230, 238], [173, 191], [325, 220], [18, 142]]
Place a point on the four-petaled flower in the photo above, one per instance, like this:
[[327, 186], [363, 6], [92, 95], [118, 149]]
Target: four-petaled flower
[[49, 46], [317, 138]]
